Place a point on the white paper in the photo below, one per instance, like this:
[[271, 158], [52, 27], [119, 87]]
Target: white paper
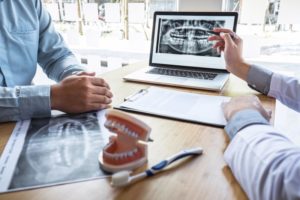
[[287, 122], [179, 105]]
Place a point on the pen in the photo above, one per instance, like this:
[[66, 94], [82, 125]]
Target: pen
[[218, 33], [133, 97]]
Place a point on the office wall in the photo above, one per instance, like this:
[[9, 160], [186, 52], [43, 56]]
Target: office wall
[[200, 5]]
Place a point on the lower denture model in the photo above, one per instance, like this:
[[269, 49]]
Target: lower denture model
[[125, 151]]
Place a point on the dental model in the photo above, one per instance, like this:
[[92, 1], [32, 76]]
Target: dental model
[[126, 150]]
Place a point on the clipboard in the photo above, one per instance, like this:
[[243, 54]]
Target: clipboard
[[173, 104]]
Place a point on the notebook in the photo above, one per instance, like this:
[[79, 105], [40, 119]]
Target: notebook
[[180, 53]]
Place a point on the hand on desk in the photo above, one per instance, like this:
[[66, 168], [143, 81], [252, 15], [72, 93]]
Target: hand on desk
[[242, 103], [81, 93]]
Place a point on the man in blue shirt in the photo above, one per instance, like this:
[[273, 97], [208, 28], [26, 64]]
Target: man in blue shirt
[[28, 38]]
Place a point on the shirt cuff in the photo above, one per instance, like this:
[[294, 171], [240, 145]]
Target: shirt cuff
[[259, 79], [243, 119], [64, 68], [71, 70], [34, 101]]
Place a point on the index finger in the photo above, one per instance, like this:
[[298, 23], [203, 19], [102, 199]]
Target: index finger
[[214, 37], [223, 30]]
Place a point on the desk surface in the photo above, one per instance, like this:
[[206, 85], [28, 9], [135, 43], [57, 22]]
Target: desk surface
[[205, 177]]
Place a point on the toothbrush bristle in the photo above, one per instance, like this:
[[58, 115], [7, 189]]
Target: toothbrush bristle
[[120, 178]]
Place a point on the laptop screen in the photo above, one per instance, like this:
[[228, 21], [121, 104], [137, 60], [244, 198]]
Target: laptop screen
[[180, 39]]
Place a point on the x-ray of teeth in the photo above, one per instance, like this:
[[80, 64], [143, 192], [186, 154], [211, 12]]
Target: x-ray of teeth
[[61, 149], [187, 37]]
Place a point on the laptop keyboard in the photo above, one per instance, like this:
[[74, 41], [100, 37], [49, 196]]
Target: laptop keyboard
[[183, 73]]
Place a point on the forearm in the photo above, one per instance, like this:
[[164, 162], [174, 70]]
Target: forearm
[[25, 102], [259, 79], [265, 162], [287, 90], [63, 67]]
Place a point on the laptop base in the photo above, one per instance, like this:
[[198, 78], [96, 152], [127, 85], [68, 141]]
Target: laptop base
[[142, 76]]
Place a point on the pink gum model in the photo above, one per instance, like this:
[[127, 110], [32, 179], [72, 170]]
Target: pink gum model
[[124, 151]]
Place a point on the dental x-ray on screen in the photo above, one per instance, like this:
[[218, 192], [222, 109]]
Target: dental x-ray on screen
[[181, 54], [187, 36]]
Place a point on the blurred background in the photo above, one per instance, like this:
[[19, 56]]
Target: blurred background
[[109, 34]]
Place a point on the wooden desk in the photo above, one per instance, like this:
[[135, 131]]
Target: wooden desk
[[205, 177]]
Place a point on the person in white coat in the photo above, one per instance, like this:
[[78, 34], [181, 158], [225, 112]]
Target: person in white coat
[[263, 160]]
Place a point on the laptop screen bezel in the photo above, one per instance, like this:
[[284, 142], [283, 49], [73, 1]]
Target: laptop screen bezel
[[233, 14]]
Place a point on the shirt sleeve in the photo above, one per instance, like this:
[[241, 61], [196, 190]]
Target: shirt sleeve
[[259, 79], [24, 102], [54, 56], [265, 163], [243, 119], [286, 90]]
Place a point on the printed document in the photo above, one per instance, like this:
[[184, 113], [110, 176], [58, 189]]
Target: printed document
[[175, 104]]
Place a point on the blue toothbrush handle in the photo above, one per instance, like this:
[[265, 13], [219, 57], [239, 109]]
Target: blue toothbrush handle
[[161, 165]]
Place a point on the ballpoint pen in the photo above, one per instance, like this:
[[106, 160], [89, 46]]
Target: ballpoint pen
[[219, 33]]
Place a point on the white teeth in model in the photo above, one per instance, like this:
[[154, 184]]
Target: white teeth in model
[[124, 150]]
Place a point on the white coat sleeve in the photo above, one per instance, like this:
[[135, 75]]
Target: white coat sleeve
[[265, 163], [263, 160]]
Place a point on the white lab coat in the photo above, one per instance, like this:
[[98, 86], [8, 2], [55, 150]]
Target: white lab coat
[[264, 161]]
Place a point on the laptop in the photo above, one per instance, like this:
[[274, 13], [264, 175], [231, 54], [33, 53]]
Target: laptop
[[180, 53]]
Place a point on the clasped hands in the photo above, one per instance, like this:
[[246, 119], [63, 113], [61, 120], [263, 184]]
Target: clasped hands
[[79, 93]]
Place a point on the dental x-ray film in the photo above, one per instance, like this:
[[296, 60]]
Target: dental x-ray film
[[53, 151]]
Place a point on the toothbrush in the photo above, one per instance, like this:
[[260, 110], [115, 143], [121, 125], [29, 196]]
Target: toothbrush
[[123, 178]]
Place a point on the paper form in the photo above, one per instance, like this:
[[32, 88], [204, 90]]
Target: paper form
[[179, 105]]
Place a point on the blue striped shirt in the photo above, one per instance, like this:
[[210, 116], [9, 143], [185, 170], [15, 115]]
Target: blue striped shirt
[[28, 38]]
